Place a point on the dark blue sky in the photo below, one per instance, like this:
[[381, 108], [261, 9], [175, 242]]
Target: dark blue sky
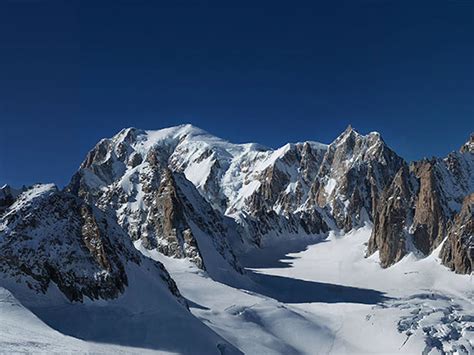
[[270, 72]]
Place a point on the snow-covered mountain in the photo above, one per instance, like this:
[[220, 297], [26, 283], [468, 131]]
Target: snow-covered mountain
[[354, 172], [259, 188], [188, 193]]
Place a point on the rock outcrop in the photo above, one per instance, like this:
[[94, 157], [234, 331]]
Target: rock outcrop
[[8, 195], [390, 222], [458, 249]]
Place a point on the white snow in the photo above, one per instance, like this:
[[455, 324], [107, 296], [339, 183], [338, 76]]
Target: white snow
[[198, 173], [326, 298], [146, 318], [417, 288], [330, 186], [23, 332]]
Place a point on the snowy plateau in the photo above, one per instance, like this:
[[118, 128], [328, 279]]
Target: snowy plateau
[[175, 241]]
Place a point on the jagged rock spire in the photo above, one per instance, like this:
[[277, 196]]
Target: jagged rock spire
[[469, 145]]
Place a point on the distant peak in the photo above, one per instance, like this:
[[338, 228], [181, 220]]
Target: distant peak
[[350, 135], [468, 147], [349, 132], [189, 128], [182, 129], [127, 130], [126, 134]]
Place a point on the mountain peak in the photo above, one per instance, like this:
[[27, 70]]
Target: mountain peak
[[131, 133], [468, 147], [351, 133]]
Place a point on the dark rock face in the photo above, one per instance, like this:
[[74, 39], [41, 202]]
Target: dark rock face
[[468, 147], [8, 196], [274, 207], [168, 220], [389, 232], [429, 221], [420, 206], [458, 250], [48, 236]]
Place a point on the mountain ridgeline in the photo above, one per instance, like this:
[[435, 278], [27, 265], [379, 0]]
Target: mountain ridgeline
[[190, 194]]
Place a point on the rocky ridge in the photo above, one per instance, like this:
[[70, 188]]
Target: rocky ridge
[[299, 188]]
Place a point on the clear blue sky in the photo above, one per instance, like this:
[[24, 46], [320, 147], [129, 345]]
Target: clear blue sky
[[264, 71]]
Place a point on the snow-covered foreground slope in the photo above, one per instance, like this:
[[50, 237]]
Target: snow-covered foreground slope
[[23, 332], [254, 323], [142, 319], [327, 298]]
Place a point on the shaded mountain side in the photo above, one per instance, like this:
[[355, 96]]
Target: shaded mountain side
[[458, 249]]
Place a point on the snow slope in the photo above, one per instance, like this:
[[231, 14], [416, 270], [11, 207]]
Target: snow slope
[[254, 323], [21, 331]]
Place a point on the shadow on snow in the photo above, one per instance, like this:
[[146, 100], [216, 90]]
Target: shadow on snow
[[291, 290], [288, 290]]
